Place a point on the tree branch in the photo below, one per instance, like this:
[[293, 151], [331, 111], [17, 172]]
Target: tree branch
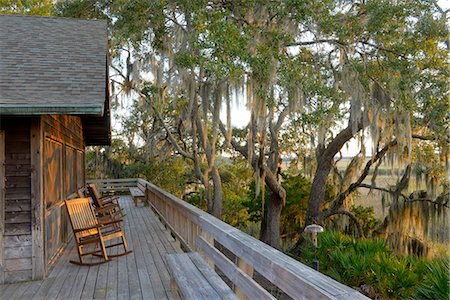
[[270, 178], [320, 41], [351, 216], [339, 200], [426, 138], [381, 48], [169, 133]]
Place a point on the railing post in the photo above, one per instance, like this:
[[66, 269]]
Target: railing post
[[248, 270], [210, 239]]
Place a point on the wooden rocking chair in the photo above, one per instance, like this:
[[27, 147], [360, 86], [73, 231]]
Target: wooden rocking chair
[[88, 230], [107, 205]]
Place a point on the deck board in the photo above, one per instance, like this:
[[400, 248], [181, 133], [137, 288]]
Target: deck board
[[142, 274]]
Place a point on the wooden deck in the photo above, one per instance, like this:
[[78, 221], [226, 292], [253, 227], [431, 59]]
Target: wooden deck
[[140, 275]]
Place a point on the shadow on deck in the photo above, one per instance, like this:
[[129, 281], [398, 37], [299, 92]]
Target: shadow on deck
[[140, 275]]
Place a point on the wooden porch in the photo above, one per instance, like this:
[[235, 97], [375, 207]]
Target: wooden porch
[[251, 268], [140, 275]]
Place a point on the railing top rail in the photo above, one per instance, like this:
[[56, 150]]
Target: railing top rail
[[120, 180]]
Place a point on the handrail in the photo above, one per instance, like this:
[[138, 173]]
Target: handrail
[[200, 231]]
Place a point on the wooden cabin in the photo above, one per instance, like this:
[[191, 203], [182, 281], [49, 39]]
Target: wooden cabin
[[54, 101]]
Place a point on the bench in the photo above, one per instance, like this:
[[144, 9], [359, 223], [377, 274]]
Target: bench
[[195, 279], [138, 196]]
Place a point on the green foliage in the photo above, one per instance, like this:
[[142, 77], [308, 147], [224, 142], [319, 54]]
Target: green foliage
[[27, 7], [297, 189], [435, 284], [297, 194], [372, 267], [236, 178], [84, 9], [366, 217]]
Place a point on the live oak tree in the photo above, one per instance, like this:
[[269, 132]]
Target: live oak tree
[[340, 69]]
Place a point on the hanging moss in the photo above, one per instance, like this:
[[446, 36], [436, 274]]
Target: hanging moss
[[414, 225]]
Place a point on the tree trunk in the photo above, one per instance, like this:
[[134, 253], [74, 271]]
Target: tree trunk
[[217, 203], [270, 229], [325, 158], [318, 187]]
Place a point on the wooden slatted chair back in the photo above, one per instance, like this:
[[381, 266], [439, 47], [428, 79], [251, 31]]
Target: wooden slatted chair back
[[82, 216], [95, 194], [81, 193]]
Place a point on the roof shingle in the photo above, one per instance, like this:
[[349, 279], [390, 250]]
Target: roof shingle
[[52, 65]]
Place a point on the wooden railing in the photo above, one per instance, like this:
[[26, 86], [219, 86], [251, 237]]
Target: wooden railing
[[240, 257], [114, 185]]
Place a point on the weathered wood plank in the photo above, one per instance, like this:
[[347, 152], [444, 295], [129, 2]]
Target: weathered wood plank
[[18, 240], [143, 273], [89, 285], [112, 282], [2, 203], [18, 229], [17, 217], [250, 287], [17, 193], [17, 276], [190, 281], [18, 264], [60, 279], [27, 290], [122, 277], [107, 181], [102, 282], [54, 275], [31, 289], [37, 200], [9, 291], [162, 243], [22, 205], [151, 251], [216, 282], [17, 252], [136, 192], [69, 284], [134, 287], [18, 181], [18, 169]]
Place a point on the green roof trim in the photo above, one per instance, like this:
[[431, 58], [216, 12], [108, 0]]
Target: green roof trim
[[44, 109]]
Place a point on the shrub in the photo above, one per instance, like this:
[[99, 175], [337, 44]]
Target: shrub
[[369, 262]]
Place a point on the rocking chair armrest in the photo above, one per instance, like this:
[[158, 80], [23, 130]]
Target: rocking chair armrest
[[107, 199], [88, 228], [110, 222], [104, 209]]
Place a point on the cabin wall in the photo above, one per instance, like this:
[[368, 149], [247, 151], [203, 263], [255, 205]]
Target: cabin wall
[[63, 175], [16, 216], [43, 163]]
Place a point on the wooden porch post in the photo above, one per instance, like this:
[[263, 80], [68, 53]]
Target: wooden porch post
[[37, 201]]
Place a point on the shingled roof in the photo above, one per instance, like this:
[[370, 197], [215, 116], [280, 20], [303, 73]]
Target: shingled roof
[[56, 66]]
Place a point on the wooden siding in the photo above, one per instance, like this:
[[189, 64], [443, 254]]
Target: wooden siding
[[2, 203], [63, 174], [17, 207]]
